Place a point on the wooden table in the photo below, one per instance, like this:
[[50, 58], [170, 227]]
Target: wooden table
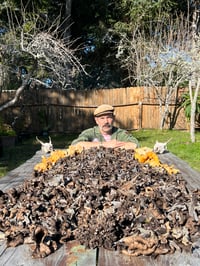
[[74, 254]]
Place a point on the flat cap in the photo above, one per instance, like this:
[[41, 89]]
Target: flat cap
[[103, 109]]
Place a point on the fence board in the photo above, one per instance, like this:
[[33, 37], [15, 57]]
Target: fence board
[[71, 111]]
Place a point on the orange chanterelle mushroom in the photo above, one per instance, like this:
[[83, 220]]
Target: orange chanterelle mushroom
[[146, 155], [48, 162]]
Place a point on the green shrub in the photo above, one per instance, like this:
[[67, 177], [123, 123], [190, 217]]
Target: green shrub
[[186, 104], [5, 129]]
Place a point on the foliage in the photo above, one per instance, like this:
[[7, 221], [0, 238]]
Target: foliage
[[140, 12], [44, 120], [99, 26], [186, 104], [96, 25], [5, 129]]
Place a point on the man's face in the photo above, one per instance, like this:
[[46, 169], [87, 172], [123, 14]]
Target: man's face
[[105, 123]]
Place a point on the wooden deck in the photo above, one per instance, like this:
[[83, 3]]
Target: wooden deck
[[74, 254]]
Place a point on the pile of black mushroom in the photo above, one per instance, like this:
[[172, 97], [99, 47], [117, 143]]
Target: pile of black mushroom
[[102, 198]]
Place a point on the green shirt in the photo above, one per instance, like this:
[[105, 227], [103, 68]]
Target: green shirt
[[94, 134]]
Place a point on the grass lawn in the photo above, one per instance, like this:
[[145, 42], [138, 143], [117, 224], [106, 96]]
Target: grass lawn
[[180, 145], [24, 150]]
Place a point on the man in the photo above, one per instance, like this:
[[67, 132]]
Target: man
[[105, 134]]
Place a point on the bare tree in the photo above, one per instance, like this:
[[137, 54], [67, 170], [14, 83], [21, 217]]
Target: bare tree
[[43, 49], [166, 59]]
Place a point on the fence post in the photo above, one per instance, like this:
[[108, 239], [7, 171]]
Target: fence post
[[140, 115]]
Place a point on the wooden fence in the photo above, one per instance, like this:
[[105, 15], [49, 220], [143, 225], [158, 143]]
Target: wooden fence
[[72, 111]]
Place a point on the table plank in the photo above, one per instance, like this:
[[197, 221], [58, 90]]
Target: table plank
[[70, 254], [189, 174], [110, 258], [78, 255], [21, 173], [22, 256]]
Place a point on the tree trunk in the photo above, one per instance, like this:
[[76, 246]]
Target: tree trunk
[[17, 95], [193, 100]]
